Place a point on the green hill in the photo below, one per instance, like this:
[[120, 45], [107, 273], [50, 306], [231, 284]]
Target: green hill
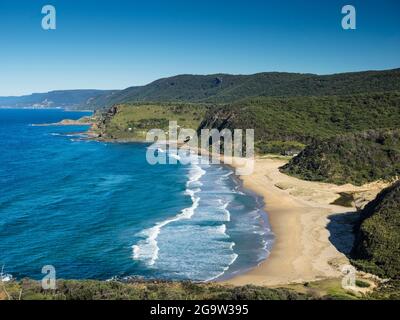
[[226, 88], [304, 119], [75, 99], [349, 158], [377, 244], [218, 88], [280, 124], [132, 121]]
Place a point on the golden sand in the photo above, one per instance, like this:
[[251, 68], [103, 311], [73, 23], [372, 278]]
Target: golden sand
[[299, 212]]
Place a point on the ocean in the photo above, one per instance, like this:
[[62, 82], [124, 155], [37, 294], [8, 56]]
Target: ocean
[[97, 210]]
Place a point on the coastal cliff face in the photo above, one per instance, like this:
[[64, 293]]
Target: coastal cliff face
[[377, 245], [99, 128]]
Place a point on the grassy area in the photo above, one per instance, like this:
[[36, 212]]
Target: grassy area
[[325, 289], [141, 290], [132, 121]]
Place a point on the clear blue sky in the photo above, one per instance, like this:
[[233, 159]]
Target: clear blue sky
[[115, 44]]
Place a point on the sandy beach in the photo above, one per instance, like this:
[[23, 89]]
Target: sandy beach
[[312, 235]]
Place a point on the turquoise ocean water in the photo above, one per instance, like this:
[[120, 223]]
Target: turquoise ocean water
[[99, 210]]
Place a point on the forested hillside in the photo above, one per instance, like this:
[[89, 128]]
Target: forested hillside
[[226, 88], [350, 158], [303, 119], [377, 245]]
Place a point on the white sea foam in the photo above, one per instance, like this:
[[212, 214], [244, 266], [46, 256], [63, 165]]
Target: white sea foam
[[234, 256], [223, 207], [228, 174], [260, 232], [195, 173], [193, 232], [147, 250], [221, 229]]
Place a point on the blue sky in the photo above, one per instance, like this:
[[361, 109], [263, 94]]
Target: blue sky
[[115, 44]]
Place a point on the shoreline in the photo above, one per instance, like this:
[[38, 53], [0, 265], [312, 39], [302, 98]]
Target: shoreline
[[299, 214], [260, 205]]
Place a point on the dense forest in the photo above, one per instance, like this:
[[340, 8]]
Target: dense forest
[[377, 245], [303, 119], [226, 88], [355, 158]]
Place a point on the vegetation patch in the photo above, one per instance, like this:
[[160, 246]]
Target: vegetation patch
[[306, 119], [389, 290], [350, 158], [227, 88], [133, 121], [143, 290], [377, 244], [288, 148], [362, 284]]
